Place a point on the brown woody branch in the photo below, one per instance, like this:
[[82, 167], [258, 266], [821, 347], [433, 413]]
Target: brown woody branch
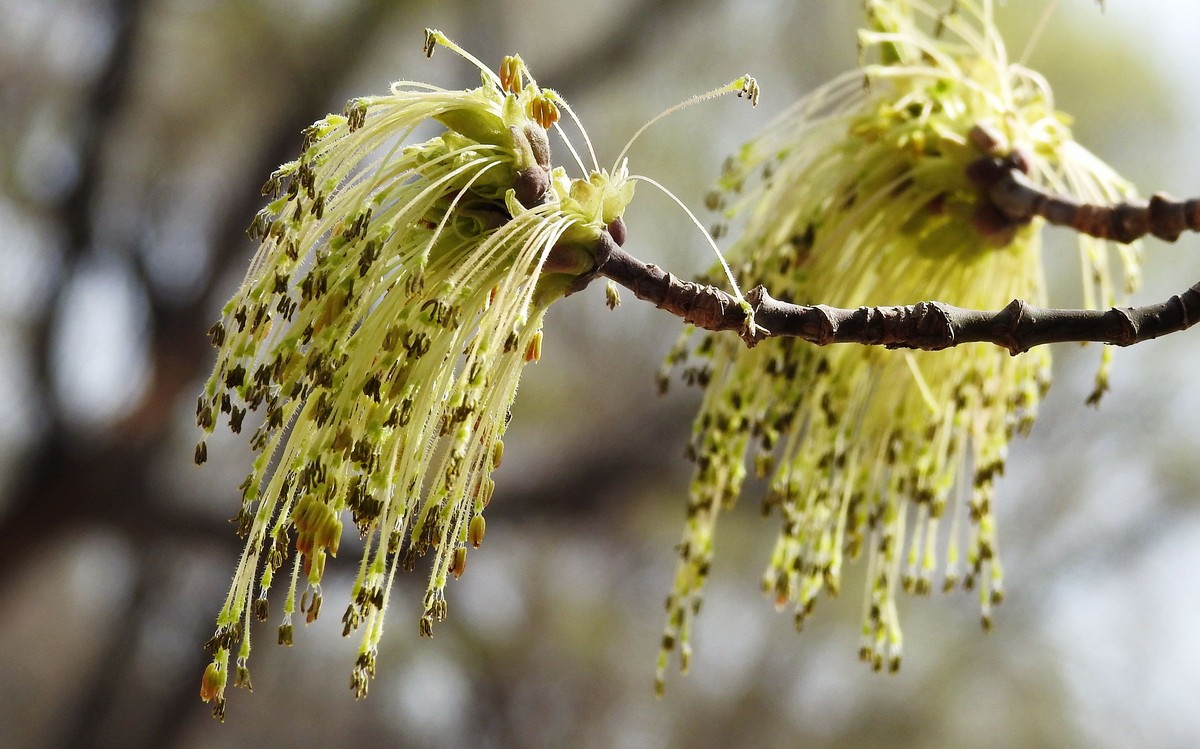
[[932, 325], [1019, 200], [929, 326]]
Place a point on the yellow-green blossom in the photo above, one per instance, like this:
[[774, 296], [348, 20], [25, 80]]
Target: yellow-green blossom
[[860, 195], [398, 292]]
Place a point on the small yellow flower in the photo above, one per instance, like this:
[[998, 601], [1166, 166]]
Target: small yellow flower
[[863, 194]]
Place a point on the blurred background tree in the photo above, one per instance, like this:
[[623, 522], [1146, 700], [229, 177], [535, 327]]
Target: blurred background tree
[[134, 138]]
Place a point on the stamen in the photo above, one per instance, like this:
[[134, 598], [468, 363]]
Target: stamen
[[737, 292], [433, 38], [1036, 35], [555, 97], [745, 86], [511, 68]]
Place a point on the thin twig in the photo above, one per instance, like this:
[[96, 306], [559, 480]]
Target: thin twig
[[929, 326], [1018, 200]]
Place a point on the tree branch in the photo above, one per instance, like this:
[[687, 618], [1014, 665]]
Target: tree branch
[[933, 325], [929, 326], [1019, 200]]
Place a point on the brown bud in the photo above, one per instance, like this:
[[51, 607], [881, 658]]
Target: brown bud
[[986, 171], [539, 144], [986, 138], [1021, 159], [616, 229], [990, 222], [531, 185]]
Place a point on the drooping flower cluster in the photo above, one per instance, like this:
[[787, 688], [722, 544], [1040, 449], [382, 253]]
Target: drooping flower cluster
[[397, 294], [867, 192]]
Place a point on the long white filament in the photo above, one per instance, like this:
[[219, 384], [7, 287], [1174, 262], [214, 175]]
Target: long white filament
[[744, 86], [737, 292]]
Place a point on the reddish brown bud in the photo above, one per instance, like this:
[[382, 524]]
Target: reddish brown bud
[[539, 144], [616, 229], [531, 185]]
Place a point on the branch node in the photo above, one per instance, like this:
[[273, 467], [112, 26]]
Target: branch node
[[757, 298], [933, 328], [1008, 323], [1183, 310], [1167, 217], [1130, 221], [826, 324], [1129, 328]]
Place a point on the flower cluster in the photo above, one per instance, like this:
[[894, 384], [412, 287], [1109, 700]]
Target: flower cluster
[[868, 192], [398, 292]]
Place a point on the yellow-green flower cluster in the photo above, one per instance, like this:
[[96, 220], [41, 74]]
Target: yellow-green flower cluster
[[397, 294], [863, 194]]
